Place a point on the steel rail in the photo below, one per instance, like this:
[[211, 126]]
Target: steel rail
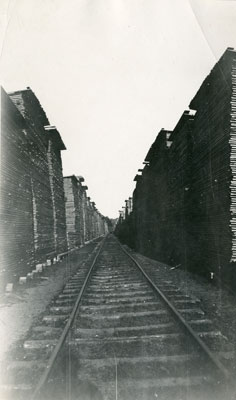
[[48, 369], [204, 348]]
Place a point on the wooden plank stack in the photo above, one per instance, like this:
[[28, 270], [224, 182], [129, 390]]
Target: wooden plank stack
[[211, 244], [34, 220], [83, 220], [31, 185], [73, 215], [150, 200], [180, 172], [184, 209], [28, 105], [55, 145], [16, 239]]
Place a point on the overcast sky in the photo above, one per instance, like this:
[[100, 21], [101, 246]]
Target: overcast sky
[[110, 74]]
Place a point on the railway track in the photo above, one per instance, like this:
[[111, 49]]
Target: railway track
[[112, 333]]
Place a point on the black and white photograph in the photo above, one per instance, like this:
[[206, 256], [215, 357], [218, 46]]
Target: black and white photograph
[[118, 200]]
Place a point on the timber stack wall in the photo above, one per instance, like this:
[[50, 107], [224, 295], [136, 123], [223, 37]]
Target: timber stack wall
[[34, 213], [184, 203], [84, 221]]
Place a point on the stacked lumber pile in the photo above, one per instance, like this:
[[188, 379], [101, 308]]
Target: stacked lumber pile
[[211, 234], [94, 218], [55, 145], [89, 225], [85, 213], [126, 229], [16, 239], [139, 213], [146, 224], [157, 197], [33, 216], [232, 142], [81, 216], [184, 209], [72, 206], [32, 196], [179, 183], [83, 220], [35, 117]]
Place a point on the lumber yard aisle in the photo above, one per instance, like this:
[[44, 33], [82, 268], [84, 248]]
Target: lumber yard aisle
[[138, 308]]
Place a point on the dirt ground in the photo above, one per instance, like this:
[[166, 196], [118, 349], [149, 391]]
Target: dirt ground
[[19, 309], [218, 303]]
